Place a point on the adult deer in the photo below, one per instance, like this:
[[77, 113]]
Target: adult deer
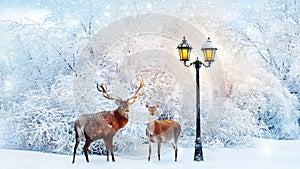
[[104, 125], [161, 131]]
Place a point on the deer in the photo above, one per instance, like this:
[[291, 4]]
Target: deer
[[161, 131], [104, 125]]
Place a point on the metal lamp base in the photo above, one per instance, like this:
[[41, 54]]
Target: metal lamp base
[[198, 156]]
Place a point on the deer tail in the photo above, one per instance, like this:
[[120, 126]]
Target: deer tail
[[78, 130]]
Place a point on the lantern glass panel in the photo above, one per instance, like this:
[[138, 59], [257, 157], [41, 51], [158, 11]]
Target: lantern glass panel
[[209, 54], [184, 54]]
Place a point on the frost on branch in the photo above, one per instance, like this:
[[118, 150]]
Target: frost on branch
[[45, 120]]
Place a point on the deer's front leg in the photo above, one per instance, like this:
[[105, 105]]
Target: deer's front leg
[[149, 151], [107, 150], [111, 148]]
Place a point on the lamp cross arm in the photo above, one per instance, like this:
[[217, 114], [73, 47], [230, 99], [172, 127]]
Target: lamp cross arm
[[187, 64], [209, 63], [200, 63], [196, 62]]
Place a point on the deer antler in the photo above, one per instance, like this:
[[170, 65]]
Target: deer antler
[[103, 89], [137, 94]]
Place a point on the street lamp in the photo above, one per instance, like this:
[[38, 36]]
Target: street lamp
[[209, 51]]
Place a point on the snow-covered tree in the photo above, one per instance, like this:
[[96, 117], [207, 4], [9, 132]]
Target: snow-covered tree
[[39, 67], [44, 121], [36, 103], [266, 35], [268, 32], [272, 106]]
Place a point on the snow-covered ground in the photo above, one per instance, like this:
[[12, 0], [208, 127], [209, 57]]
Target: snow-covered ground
[[265, 154]]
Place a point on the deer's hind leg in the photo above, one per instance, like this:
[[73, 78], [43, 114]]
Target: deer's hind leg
[[75, 148], [78, 137], [158, 150], [175, 149], [86, 146]]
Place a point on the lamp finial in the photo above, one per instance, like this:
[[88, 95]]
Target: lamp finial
[[183, 41]]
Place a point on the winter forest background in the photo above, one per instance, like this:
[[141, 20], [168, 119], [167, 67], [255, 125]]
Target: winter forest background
[[49, 70]]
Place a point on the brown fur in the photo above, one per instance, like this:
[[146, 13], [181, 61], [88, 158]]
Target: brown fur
[[103, 125], [161, 132]]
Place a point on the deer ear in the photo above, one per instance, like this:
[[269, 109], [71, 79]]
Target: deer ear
[[157, 104], [117, 102], [147, 104], [131, 101]]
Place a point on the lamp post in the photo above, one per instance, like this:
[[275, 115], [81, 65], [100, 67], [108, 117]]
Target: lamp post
[[209, 51]]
